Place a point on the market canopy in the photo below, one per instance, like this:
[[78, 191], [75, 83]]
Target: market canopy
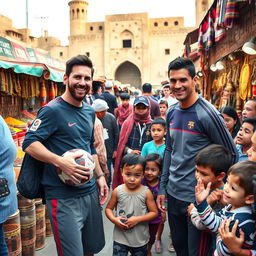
[[29, 61], [34, 69]]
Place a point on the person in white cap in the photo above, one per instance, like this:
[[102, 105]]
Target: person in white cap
[[110, 98], [99, 143], [110, 131]]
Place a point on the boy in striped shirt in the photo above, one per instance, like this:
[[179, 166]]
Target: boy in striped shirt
[[238, 195]]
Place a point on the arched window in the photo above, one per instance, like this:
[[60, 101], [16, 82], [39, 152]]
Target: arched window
[[155, 24], [127, 39], [166, 23]]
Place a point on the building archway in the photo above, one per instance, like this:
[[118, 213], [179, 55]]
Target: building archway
[[128, 73]]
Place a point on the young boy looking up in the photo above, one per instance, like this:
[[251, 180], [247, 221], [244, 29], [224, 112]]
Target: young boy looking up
[[243, 138], [238, 195], [212, 164], [135, 206], [157, 145]]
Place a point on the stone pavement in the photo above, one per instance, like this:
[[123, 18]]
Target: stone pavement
[[50, 249]]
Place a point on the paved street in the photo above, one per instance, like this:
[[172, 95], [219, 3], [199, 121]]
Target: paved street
[[50, 249]]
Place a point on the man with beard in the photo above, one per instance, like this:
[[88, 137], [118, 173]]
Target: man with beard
[[67, 123], [192, 124]]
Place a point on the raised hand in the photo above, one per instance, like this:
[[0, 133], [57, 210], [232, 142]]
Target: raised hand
[[201, 192]]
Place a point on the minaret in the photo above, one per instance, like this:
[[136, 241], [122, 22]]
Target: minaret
[[202, 6], [78, 17]]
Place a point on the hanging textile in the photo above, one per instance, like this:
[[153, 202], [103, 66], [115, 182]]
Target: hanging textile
[[231, 13], [244, 79]]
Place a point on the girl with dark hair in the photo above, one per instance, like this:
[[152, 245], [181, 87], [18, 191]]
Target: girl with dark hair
[[231, 120]]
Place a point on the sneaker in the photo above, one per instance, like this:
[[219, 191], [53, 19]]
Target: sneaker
[[158, 246], [171, 248]]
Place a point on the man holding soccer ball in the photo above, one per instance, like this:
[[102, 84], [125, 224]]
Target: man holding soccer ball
[[64, 124]]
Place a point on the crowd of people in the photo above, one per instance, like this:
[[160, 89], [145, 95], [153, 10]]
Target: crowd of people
[[168, 155]]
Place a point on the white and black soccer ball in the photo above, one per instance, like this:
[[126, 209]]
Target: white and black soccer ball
[[86, 160]]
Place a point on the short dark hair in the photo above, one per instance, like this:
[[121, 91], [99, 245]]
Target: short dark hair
[[155, 158], [96, 85], [147, 88], [251, 121], [159, 121], [180, 63], [125, 96], [245, 171], [165, 102], [133, 159], [216, 157], [79, 60]]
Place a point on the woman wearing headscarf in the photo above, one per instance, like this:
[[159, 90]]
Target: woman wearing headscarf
[[134, 134]]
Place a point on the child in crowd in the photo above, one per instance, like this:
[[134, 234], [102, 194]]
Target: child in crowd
[[124, 109], [212, 164], [163, 105], [238, 195], [135, 132], [151, 180], [157, 145], [229, 237], [243, 138], [135, 206]]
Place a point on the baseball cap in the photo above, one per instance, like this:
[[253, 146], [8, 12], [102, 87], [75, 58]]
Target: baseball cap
[[100, 105], [108, 84], [141, 99]]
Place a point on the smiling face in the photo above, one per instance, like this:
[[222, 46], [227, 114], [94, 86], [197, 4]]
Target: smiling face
[[183, 87], [233, 193], [78, 83], [152, 172], [132, 176], [140, 109]]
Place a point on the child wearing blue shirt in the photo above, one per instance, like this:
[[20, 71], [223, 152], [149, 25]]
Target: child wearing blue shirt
[[157, 145]]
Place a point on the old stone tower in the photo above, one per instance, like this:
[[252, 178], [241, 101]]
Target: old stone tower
[[131, 48]]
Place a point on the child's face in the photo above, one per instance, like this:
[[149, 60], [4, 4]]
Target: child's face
[[132, 175], [206, 175], [126, 102], [233, 193], [140, 109], [152, 171], [252, 151], [245, 134], [157, 132], [163, 109]]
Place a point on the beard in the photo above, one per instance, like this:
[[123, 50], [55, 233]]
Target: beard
[[75, 93]]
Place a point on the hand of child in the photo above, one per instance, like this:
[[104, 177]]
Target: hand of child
[[135, 151], [229, 238], [120, 222], [160, 203], [201, 192], [131, 222], [190, 207], [214, 197]]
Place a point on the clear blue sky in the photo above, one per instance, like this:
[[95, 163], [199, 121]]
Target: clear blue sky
[[53, 15]]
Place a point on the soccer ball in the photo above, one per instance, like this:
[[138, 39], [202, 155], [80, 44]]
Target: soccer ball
[[86, 160]]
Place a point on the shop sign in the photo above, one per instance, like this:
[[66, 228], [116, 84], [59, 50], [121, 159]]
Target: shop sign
[[31, 55], [6, 48]]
